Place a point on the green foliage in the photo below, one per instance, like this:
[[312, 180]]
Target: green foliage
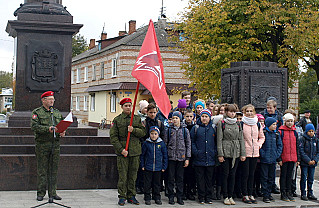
[[217, 33], [6, 79], [79, 45], [308, 86]]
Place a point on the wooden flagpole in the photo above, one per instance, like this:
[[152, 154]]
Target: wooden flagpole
[[131, 122]]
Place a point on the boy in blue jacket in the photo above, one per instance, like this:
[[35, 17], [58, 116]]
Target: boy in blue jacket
[[309, 152], [269, 153], [154, 161], [204, 155]]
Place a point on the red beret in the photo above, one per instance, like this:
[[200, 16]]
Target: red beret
[[125, 100], [47, 94]]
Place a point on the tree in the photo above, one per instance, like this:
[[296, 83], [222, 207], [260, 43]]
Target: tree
[[79, 45], [216, 33], [6, 79]]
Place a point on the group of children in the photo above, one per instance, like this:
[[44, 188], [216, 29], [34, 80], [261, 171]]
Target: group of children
[[209, 144]]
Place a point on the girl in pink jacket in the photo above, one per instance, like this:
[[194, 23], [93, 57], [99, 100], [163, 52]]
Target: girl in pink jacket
[[254, 138]]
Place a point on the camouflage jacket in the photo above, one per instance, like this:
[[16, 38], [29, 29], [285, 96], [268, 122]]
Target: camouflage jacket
[[118, 134], [41, 121]]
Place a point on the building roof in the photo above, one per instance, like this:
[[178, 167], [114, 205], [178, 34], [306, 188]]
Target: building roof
[[132, 86], [134, 39]]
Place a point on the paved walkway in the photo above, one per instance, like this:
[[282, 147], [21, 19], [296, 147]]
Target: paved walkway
[[108, 198]]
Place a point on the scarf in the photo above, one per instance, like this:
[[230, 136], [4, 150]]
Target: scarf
[[230, 121], [250, 121]]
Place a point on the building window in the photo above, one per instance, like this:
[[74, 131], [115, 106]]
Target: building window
[[78, 75], [85, 104], [71, 103], [102, 70], [77, 103], [113, 102], [114, 67], [93, 72], [72, 77], [93, 102], [86, 74]]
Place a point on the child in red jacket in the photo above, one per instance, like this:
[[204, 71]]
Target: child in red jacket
[[288, 157]]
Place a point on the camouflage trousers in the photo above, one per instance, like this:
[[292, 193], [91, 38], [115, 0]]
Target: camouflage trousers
[[127, 169], [44, 167]]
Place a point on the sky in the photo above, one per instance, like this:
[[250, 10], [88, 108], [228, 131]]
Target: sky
[[93, 14]]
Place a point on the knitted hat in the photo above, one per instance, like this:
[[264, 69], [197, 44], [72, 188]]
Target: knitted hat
[[143, 104], [154, 128], [207, 112], [269, 121], [178, 114], [260, 117], [309, 127], [199, 103], [288, 116], [306, 111], [181, 103]]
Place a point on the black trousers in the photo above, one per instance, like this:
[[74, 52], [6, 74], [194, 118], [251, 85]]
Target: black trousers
[[218, 175], [189, 182], [257, 182], [175, 175], [248, 172], [152, 178], [229, 174], [266, 178], [238, 178], [204, 178], [286, 171]]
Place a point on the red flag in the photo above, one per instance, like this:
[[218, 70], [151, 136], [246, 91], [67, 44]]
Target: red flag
[[149, 71]]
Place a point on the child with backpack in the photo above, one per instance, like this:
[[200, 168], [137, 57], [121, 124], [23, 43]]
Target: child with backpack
[[254, 138], [204, 155], [179, 152], [289, 156], [153, 162], [230, 147], [309, 154], [269, 153]]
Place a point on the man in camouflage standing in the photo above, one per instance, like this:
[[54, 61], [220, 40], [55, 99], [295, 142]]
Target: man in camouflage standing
[[127, 161], [45, 143]]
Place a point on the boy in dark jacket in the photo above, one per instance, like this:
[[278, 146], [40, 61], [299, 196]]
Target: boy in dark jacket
[[309, 153], [204, 155], [269, 153], [153, 162], [179, 152], [189, 172]]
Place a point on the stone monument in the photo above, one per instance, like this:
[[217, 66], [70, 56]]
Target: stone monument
[[252, 82], [44, 32]]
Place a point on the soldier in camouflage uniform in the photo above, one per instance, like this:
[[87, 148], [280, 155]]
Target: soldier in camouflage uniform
[[127, 161], [43, 128]]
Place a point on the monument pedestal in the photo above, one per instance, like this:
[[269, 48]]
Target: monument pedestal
[[253, 82]]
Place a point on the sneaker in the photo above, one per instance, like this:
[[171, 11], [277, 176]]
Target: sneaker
[[289, 195], [121, 202], [271, 198], [171, 201], [311, 197], [208, 201], [284, 197], [148, 202], [180, 201], [253, 200], [246, 200], [294, 194], [133, 200], [226, 201], [304, 197], [158, 201], [201, 201], [232, 202], [266, 200]]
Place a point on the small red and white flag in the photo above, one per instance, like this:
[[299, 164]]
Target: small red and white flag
[[149, 71]]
